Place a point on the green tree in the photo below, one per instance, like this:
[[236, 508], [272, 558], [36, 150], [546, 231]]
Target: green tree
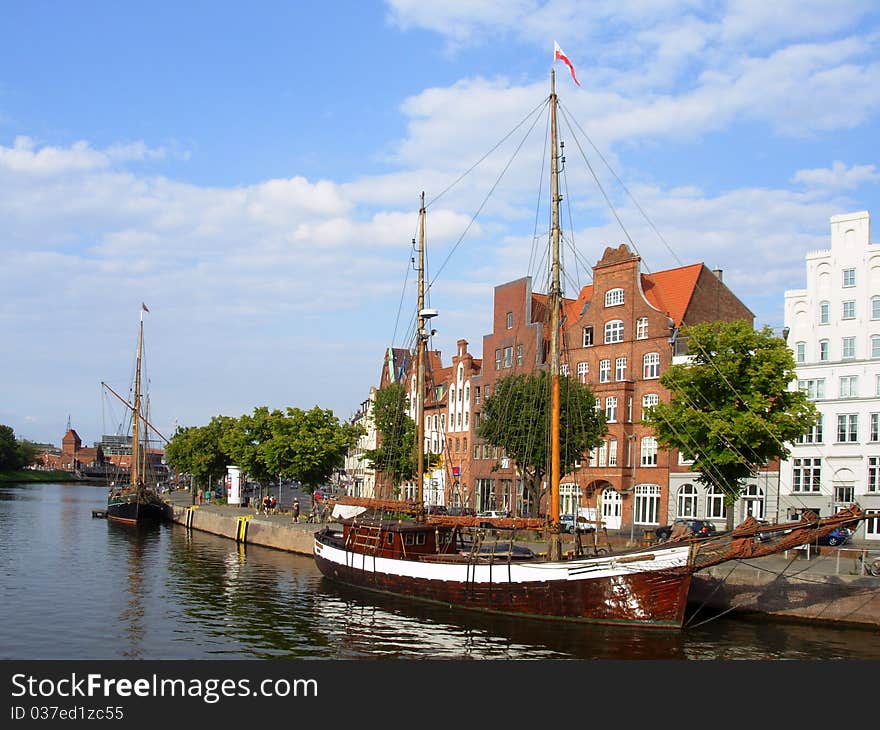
[[307, 445], [246, 443], [395, 454], [15, 454], [517, 418], [199, 450], [731, 409]]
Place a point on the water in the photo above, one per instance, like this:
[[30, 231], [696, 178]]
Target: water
[[76, 587]]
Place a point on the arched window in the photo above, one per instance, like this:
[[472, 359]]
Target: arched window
[[715, 507], [687, 501], [614, 331], [614, 297], [651, 367]]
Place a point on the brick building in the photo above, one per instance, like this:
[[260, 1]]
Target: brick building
[[619, 335]]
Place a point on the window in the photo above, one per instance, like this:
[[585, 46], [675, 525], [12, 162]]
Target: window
[[649, 400], [565, 369], [848, 349], [806, 475], [583, 371], [612, 452], [519, 354], [620, 368], [629, 409], [823, 350], [687, 501], [642, 328], [588, 336], [815, 389], [476, 395], [498, 359], [611, 409], [824, 310], [510, 320], [715, 506], [849, 309], [614, 331], [486, 391], [477, 420], [801, 352], [614, 297], [849, 277], [849, 386], [647, 504], [875, 307], [874, 473], [604, 371], [847, 428], [508, 357], [875, 346], [466, 414], [649, 451], [814, 435], [603, 454], [651, 367], [874, 431]]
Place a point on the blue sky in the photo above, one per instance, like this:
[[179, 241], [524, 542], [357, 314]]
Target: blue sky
[[252, 174]]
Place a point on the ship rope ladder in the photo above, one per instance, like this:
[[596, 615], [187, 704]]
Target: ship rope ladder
[[366, 538]]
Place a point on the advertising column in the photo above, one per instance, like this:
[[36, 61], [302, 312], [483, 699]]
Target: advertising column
[[233, 485]]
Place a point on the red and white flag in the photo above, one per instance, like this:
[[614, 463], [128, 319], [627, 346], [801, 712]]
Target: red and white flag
[[560, 54]]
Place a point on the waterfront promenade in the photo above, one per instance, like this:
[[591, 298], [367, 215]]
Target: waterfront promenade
[[824, 584]]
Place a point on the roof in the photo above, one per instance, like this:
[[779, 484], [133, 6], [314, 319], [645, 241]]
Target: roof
[[671, 291]]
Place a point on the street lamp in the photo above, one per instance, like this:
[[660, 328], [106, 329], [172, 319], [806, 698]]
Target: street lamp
[[632, 524]]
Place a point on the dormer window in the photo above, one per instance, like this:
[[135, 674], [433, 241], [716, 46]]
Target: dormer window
[[614, 297]]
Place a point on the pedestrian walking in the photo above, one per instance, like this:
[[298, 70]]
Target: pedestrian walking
[[296, 510], [201, 495]]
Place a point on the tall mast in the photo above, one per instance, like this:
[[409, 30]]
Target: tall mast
[[555, 297], [136, 415], [420, 365]]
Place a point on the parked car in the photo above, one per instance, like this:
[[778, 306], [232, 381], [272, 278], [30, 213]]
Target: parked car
[[492, 515], [437, 509], [695, 528], [568, 524], [838, 536], [460, 511]]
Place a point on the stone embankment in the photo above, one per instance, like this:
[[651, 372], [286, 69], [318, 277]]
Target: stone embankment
[[828, 585]]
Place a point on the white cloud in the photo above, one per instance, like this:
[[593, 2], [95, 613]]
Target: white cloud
[[839, 175]]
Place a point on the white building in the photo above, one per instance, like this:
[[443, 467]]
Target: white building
[[834, 331], [360, 478]]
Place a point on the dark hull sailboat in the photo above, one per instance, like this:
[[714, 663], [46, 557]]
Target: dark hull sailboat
[[133, 509], [136, 503], [444, 560]]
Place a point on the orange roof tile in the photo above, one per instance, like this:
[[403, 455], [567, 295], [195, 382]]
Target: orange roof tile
[[671, 290]]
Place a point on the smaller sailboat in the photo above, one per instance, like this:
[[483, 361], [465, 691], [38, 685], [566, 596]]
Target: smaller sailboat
[[137, 501]]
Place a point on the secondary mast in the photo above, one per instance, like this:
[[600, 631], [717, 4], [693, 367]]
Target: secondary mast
[[555, 297], [136, 415]]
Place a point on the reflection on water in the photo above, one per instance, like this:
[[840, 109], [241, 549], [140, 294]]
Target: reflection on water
[[102, 590]]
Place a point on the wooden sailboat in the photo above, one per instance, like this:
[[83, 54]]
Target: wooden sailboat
[[137, 501], [445, 560]]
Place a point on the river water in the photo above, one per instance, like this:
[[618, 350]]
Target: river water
[[76, 587]]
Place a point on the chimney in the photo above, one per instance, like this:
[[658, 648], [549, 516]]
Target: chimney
[[719, 273]]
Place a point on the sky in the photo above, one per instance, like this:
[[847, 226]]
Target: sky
[[252, 174]]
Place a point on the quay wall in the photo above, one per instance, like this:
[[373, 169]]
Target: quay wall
[[831, 591], [266, 531]]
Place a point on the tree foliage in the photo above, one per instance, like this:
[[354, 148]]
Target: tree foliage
[[517, 418], [199, 450], [395, 454], [302, 445], [731, 409], [15, 454]]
